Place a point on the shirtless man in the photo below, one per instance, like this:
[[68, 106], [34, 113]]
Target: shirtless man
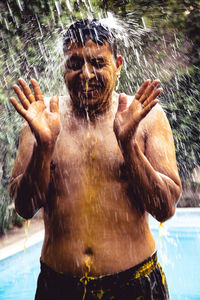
[[98, 166]]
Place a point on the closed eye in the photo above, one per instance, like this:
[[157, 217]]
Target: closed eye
[[98, 63], [74, 63]]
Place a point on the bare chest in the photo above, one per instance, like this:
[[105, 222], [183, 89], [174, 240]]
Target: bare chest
[[87, 169], [87, 158]]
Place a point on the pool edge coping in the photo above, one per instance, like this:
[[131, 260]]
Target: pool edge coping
[[21, 245]]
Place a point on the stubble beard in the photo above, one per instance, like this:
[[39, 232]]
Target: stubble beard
[[88, 107]]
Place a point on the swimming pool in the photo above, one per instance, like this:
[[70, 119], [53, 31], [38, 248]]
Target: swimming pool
[[178, 251]]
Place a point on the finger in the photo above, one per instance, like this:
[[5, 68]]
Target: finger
[[19, 108], [122, 104], [54, 101], [149, 91], [142, 89], [27, 91], [148, 108], [24, 101], [37, 90], [153, 96]]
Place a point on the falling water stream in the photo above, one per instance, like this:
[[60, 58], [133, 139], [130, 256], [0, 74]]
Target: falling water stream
[[164, 62]]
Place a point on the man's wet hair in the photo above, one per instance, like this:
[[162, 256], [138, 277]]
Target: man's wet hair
[[85, 29]]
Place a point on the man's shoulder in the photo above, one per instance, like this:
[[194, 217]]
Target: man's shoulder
[[156, 121], [156, 113]]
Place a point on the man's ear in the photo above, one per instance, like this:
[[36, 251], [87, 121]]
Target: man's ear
[[119, 62]]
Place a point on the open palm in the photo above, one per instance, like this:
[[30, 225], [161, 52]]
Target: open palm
[[45, 124], [127, 119]]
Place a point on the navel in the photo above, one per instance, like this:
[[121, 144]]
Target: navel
[[89, 251]]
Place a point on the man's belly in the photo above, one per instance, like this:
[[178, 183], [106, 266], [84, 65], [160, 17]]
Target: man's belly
[[102, 250]]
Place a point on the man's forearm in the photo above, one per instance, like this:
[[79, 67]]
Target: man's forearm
[[157, 192], [29, 189]]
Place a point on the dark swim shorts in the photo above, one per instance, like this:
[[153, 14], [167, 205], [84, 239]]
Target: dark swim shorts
[[143, 282]]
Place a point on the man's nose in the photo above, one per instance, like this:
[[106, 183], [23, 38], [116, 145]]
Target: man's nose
[[87, 71]]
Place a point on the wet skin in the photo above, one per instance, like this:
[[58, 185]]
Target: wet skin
[[90, 76], [97, 175]]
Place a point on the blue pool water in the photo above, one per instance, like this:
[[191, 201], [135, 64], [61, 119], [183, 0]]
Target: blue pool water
[[178, 251]]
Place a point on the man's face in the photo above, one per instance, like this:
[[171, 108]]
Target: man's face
[[90, 74]]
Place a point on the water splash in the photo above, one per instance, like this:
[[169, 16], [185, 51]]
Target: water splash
[[146, 54], [26, 233]]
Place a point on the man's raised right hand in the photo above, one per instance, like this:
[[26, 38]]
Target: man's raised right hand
[[45, 124]]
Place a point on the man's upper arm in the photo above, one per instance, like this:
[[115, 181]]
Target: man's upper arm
[[160, 149], [25, 149], [26, 141]]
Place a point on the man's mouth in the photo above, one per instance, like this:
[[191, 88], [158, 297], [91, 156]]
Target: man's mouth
[[91, 90]]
